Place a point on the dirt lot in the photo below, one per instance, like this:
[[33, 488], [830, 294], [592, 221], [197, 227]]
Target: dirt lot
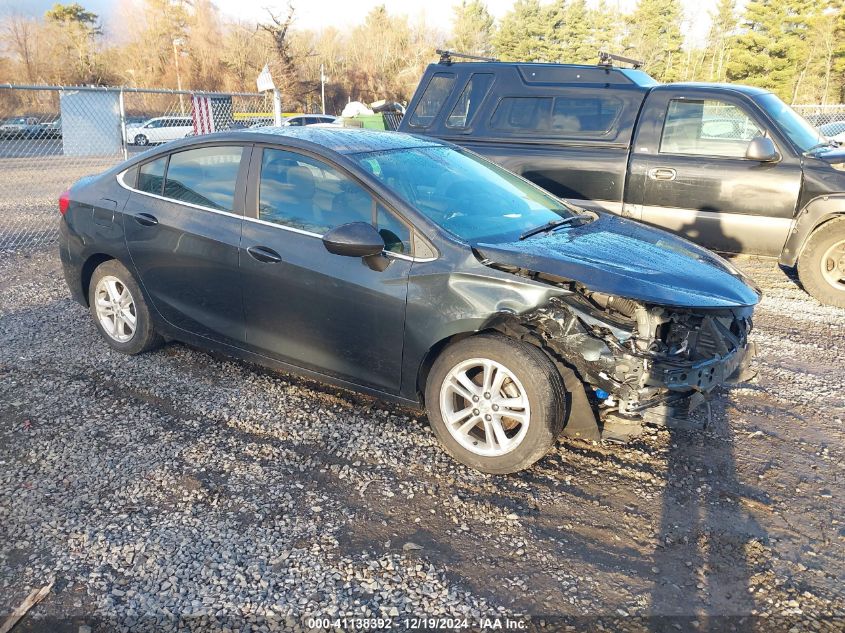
[[179, 489]]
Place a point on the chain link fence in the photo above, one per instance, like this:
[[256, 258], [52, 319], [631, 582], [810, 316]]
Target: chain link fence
[[52, 136]]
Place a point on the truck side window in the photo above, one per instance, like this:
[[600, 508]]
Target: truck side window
[[469, 101], [436, 92], [558, 116], [522, 113], [589, 116], [707, 128]]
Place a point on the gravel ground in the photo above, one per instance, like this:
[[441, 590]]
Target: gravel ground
[[183, 490]]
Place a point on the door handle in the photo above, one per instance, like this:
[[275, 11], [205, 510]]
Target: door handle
[[264, 254], [662, 173], [146, 219]]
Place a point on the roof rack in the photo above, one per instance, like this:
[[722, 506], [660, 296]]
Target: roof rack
[[607, 59], [446, 57]]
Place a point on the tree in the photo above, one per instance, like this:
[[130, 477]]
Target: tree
[[472, 29], [722, 28], [772, 51], [654, 36], [522, 33], [72, 33], [568, 38]]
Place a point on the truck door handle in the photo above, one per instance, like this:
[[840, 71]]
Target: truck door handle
[[146, 219], [264, 254], [662, 173]]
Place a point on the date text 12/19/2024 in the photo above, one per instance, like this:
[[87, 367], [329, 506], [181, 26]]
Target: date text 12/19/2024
[[415, 624]]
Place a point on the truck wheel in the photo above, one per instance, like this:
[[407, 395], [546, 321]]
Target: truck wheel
[[496, 405], [119, 310], [821, 266]]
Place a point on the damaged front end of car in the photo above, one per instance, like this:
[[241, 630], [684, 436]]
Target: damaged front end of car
[[638, 361], [645, 362]]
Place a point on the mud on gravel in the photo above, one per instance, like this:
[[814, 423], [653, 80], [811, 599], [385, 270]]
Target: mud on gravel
[[180, 489]]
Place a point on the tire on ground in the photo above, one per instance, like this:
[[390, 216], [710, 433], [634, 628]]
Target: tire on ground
[[810, 263], [543, 385], [145, 338]]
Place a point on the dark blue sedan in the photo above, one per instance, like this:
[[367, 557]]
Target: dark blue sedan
[[412, 270]]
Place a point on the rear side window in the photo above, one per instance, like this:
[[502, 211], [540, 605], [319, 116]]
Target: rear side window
[[557, 116], [469, 101], [432, 99], [205, 176], [151, 175]]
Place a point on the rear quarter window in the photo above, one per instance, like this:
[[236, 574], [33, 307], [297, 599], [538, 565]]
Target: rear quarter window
[[432, 100]]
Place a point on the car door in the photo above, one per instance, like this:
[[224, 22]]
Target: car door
[[689, 173], [336, 315], [183, 224]]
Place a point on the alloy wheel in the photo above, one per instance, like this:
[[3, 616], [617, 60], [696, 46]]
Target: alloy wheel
[[485, 407], [115, 309]]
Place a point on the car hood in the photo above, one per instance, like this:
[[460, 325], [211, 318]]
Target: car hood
[[628, 259], [832, 156]]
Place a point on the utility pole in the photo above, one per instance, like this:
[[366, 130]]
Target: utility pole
[[178, 78], [323, 89]]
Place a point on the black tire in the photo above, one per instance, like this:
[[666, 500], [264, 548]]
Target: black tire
[[144, 338], [142, 140], [543, 386], [816, 255]]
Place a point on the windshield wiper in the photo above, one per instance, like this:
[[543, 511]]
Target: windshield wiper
[[553, 224]]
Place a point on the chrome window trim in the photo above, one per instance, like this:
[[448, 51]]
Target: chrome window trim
[[291, 229]]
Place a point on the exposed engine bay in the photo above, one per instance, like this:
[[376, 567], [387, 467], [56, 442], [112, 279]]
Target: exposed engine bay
[[643, 362]]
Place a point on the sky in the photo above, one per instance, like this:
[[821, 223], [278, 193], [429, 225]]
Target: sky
[[314, 14]]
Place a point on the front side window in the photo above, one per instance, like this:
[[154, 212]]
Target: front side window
[[304, 193], [432, 100], [707, 127], [151, 175], [206, 176], [470, 100], [465, 194]]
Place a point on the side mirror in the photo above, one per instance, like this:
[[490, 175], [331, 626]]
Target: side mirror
[[762, 149], [356, 239]]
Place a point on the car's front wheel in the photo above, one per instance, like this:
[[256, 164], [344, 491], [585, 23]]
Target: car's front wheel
[[119, 310], [140, 139], [821, 267], [496, 405]]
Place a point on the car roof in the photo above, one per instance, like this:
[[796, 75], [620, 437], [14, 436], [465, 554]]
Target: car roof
[[341, 140]]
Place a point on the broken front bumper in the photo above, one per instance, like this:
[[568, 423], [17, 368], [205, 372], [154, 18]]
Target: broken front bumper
[[706, 374]]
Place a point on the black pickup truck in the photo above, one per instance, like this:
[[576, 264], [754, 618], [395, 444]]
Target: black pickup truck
[[730, 167]]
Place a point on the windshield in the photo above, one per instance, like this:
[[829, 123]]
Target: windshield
[[466, 195], [796, 127]]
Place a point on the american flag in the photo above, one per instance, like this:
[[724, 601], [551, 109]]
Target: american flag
[[202, 112]]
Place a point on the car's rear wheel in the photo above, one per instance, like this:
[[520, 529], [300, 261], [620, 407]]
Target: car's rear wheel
[[821, 266], [496, 405], [140, 139], [119, 310]]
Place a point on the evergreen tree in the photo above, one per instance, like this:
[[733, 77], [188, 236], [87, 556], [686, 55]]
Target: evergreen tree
[[654, 36], [724, 25], [568, 38], [773, 50], [604, 29], [473, 28], [522, 33]]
